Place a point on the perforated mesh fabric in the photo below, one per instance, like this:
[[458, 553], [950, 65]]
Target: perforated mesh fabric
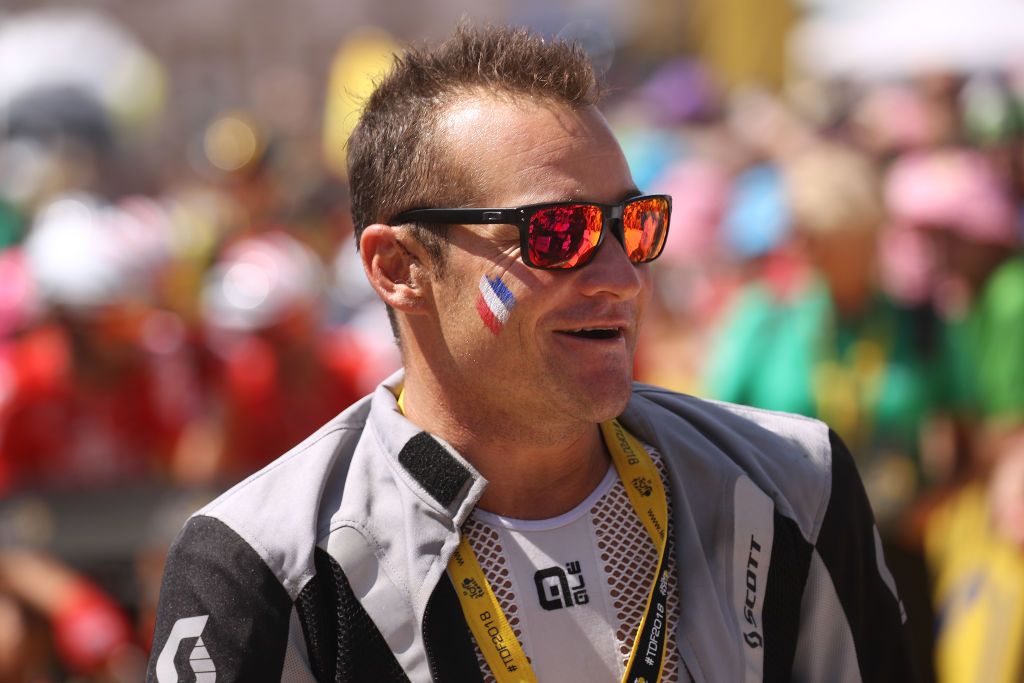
[[343, 642], [487, 545], [628, 561]]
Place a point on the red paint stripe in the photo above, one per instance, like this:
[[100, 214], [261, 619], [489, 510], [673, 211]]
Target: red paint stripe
[[487, 315]]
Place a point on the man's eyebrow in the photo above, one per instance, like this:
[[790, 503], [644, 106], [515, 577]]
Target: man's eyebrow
[[629, 194]]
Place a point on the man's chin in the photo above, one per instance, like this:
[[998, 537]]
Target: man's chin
[[606, 399]]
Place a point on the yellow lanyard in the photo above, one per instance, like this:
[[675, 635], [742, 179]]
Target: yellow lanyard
[[487, 621]]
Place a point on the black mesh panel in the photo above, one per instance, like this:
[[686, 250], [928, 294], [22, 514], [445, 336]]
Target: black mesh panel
[[343, 642]]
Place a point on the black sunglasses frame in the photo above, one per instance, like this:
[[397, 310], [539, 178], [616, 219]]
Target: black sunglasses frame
[[520, 217]]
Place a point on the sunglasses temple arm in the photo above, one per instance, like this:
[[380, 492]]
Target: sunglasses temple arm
[[462, 216]]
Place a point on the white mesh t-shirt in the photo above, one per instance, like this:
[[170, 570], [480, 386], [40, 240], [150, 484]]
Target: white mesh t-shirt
[[574, 587]]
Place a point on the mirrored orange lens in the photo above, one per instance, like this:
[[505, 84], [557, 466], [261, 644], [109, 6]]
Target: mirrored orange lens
[[644, 227], [564, 236]]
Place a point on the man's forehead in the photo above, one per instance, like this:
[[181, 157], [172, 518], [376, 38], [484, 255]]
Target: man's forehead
[[538, 142], [488, 120]]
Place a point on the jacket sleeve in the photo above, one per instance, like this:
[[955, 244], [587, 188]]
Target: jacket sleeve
[[852, 621], [222, 615]]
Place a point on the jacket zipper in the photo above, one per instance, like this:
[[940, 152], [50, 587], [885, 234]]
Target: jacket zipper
[[431, 661]]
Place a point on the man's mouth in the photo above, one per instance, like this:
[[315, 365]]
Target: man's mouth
[[594, 332]]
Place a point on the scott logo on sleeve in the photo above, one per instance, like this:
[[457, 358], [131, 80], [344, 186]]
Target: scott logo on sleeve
[[199, 659]]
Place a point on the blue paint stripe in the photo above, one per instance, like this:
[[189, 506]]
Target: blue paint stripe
[[502, 291]]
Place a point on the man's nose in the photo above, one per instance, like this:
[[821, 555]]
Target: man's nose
[[611, 271]]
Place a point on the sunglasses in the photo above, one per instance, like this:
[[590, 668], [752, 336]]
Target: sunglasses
[[566, 235]]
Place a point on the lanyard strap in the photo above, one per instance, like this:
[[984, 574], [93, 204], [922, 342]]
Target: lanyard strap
[[487, 621], [647, 494]]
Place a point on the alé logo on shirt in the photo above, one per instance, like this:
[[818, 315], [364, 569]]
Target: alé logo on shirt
[[558, 588], [199, 659]]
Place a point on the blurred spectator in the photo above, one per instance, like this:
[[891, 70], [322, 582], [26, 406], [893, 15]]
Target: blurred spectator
[[691, 275], [757, 222], [832, 345], [280, 372], [45, 604], [98, 390], [242, 156], [960, 203], [975, 547]]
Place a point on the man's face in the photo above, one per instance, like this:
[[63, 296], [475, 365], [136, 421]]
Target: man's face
[[517, 351]]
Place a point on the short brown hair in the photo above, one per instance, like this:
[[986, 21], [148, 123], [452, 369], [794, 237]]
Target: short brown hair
[[397, 162]]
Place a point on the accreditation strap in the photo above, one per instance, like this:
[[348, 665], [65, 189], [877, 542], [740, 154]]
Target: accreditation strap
[[647, 493], [487, 621]]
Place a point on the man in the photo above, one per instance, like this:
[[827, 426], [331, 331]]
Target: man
[[483, 515]]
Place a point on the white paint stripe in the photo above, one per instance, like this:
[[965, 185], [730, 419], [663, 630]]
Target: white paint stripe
[[754, 533], [494, 303]]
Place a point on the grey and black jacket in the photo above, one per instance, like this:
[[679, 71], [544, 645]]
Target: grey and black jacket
[[330, 563]]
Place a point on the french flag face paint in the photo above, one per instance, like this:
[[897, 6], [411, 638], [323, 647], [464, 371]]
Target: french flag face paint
[[494, 303]]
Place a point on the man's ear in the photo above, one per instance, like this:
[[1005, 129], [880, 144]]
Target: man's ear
[[393, 265]]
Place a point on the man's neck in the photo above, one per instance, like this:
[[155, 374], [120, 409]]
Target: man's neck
[[531, 474], [539, 485]]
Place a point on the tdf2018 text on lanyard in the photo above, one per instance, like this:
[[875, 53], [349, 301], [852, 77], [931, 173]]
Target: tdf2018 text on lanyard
[[487, 621]]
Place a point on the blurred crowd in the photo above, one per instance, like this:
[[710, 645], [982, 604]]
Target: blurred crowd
[[861, 264], [169, 333], [181, 339]]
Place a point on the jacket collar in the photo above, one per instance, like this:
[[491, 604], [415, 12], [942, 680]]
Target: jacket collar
[[431, 464], [406, 494]]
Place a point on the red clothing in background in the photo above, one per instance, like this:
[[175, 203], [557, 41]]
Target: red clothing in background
[[57, 429]]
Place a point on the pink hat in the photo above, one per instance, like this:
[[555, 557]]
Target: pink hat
[[955, 190]]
